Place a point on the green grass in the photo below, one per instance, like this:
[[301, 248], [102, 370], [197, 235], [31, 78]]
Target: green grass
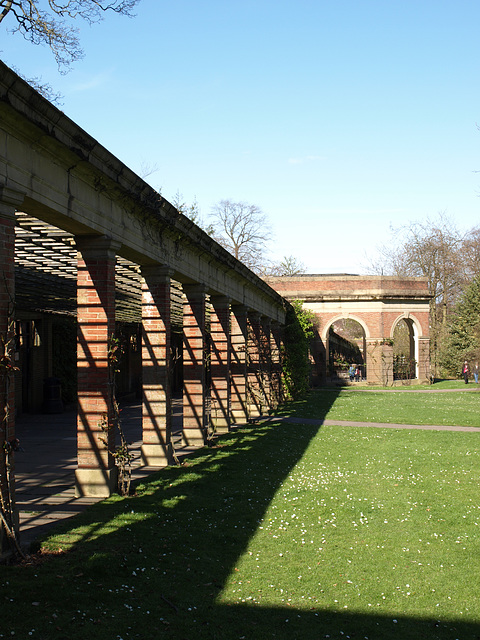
[[398, 407], [281, 531], [438, 384], [442, 384]]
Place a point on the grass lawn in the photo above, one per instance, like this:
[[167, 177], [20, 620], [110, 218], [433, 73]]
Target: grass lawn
[[438, 384], [400, 407], [280, 531]]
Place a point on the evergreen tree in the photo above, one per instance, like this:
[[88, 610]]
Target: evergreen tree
[[462, 341]]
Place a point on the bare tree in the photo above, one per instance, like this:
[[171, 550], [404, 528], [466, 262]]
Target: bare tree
[[244, 230], [448, 258], [289, 266], [44, 88], [433, 249], [147, 169], [53, 25], [471, 254]]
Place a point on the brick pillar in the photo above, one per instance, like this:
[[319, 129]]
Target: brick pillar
[[156, 366], [276, 365], [194, 341], [266, 361], [424, 371], [220, 356], [254, 350], [9, 201], [96, 473], [238, 364], [379, 362]]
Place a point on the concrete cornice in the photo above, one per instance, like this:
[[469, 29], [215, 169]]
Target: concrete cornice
[[314, 296], [345, 278], [343, 287], [46, 129]]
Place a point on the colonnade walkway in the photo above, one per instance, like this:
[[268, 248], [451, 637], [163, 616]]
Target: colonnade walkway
[[46, 462]]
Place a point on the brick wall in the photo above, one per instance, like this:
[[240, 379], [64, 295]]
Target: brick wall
[[376, 302]]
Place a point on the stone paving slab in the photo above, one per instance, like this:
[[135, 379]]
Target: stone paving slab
[[389, 425]]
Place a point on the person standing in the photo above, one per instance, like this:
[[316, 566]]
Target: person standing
[[475, 372], [465, 371], [351, 372]]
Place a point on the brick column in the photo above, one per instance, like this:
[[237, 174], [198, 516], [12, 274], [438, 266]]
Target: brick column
[[276, 365], [256, 396], [220, 356], [194, 341], [238, 364], [9, 201], [424, 372], [281, 356], [379, 362], [96, 473], [266, 361], [156, 366]]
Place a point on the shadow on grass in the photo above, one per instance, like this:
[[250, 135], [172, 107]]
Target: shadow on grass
[[153, 565]]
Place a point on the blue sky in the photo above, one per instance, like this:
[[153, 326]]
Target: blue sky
[[340, 119]]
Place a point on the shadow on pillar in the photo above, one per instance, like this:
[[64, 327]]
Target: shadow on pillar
[[318, 361]]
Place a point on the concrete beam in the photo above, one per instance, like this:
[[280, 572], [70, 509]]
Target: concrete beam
[[71, 181]]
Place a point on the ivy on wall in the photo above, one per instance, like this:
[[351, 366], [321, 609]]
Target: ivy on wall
[[296, 363]]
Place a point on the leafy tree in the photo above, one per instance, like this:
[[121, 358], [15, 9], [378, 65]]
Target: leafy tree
[[462, 341], [299, 330], [191, 211], [401, 339], [403, 362], [244, 230], [50, 22]]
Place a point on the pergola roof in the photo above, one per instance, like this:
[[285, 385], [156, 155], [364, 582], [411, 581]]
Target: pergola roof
[[46, 273]]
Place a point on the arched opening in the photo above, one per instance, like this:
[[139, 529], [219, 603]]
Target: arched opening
[[405, 350], [346, 350]]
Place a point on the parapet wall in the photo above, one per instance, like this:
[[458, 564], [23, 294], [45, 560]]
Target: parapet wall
[[320, 287], [377, 303]]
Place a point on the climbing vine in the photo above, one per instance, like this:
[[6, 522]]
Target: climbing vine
[[9, 445], [121, 454], [383, 361], [295, 361]]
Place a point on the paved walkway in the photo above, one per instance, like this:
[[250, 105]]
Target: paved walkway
[[381, 425], [45, 467]]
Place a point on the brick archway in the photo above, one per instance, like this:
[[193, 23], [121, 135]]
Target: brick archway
[[378, 304], [343, 316]]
